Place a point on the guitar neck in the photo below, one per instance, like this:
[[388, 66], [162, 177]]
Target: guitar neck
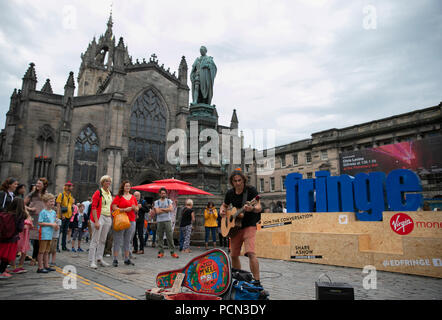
[[253, 202]]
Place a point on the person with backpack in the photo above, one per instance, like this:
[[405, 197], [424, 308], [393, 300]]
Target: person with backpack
[[163, 207], [101, 222], [11, 224], [65, 202]]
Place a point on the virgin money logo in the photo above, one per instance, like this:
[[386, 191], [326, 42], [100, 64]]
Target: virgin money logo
[[402, 224]]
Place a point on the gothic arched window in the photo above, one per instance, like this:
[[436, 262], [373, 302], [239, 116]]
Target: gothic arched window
[[44, 152], [147, 134], [86, 156]]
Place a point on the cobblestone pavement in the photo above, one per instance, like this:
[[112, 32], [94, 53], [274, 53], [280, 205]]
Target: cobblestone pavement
[[284, 280]]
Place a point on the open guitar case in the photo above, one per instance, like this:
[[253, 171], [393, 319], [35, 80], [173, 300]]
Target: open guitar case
[[207, 277]]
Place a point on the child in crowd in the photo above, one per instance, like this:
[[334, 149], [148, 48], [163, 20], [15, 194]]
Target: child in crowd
[[53, 249], [79, 224], [24, 244], [47, 225]]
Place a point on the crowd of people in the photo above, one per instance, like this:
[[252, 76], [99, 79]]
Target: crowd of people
[[40, 222]]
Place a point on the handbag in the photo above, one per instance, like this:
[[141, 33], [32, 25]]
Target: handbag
[[153, 222], [121, 220], [63, 209]]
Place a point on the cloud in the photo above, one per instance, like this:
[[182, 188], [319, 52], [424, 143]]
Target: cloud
[[297, 67]]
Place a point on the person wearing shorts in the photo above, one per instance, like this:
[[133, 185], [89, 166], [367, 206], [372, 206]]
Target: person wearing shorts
[[238, 197], [79, 225], [47, 225], [45, 246]]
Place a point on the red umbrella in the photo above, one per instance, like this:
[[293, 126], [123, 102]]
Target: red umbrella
[[181, 187], [171, 180]]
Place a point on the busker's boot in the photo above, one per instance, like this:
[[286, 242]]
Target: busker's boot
[[214, 244]]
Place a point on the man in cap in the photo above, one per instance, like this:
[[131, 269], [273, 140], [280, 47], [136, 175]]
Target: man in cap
[[65, 201]]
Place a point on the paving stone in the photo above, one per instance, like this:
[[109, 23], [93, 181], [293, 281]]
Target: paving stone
[[284, 280]]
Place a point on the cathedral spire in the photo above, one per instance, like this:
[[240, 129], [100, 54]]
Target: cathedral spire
[[47, 87], [110, 24], [70, 82], [69, 88], [234, 122], [119, 55], [29, 79], [182, 71], [30, 73], [14, 94]]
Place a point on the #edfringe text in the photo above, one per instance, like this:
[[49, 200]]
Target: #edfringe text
[[424, 262], [221, 310]]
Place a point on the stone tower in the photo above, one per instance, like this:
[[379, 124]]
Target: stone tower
[[99, 59]]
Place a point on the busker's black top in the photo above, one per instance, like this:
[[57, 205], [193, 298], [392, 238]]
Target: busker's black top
[[250, 218]]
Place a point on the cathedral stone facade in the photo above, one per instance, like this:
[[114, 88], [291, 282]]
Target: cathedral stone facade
[[117, 124]]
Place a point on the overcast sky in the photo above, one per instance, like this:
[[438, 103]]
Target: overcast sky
[[297, 67]]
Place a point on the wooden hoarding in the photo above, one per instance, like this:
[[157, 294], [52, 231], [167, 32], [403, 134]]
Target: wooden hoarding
[[405, 242]]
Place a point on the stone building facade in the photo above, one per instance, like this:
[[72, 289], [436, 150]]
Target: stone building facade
[[117, 124], [322, 151]]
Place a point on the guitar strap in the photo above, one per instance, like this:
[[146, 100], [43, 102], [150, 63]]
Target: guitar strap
[[244, 197]]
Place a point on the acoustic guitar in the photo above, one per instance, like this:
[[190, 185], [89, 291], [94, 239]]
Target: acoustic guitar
[[231, 223]]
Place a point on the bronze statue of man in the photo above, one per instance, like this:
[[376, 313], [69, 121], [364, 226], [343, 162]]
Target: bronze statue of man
[[203, 76]]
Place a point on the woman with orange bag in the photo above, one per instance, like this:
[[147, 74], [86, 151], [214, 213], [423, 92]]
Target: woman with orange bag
[[126, 203]]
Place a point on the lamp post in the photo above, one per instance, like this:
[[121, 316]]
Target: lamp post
[[178, 167], [224, 166]]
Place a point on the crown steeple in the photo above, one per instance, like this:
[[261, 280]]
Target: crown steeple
[[110, 24]]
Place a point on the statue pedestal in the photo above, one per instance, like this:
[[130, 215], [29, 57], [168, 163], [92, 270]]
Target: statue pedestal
[[209, 178], [203, 112]]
